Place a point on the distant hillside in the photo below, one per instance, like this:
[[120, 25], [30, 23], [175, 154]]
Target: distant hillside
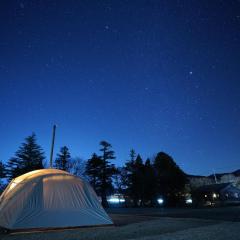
[[218, 175], [232, 177], [237, 173]]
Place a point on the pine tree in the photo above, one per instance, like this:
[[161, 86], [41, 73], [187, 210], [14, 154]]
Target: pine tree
[[14, 168], [29, 157], [93, 170], [62, 161], [2, 170], [107, 170], [149, 182], [138, 180], [132, 155], [129, 167], [2, 175], [135, 178]]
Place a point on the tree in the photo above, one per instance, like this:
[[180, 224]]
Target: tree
[[2, 170], [100, 171], [27, 158], [149, 182], [120, 180], [93, 171], [170, 178], [107, 170], [135, 178], [132, 155], [63, 159], [138, 180], [129, 167], [77, 167], [14, 168], [2, 175]]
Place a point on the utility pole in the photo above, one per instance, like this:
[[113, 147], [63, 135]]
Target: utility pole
[[52, 147], [215, 177]]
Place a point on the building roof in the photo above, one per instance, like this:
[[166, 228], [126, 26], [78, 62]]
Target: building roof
[[214, 187]]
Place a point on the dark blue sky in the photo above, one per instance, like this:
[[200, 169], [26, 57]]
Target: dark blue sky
[[149, 75]]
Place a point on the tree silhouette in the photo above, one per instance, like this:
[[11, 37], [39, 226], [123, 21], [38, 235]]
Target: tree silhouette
[[93, 171], [77, 166], [2, 170], [63, 159], [135, 178], [100, 171], [2, 175], [107, 170], [170, 178], [120, 180], [29, 157], [149, 183], [138, 180]]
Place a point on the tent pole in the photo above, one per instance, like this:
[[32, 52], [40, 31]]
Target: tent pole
[[52, 147]]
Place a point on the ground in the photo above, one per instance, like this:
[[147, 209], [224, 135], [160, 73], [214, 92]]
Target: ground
[[151, 224]]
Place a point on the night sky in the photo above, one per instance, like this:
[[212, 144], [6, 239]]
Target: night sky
[[149, 75]]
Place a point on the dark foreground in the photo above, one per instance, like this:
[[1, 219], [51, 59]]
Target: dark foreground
[[152, 224], [123, 216]]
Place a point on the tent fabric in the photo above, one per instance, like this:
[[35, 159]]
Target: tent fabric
[[50, 198]]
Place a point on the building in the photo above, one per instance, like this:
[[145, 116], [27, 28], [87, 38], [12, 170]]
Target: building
[[216, 195]]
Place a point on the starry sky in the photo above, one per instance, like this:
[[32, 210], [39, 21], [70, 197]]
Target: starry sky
[[153, 75]]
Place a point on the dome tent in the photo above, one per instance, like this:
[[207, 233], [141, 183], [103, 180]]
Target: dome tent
[[50, 198]]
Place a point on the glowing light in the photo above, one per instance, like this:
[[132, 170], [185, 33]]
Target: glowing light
[[116, 200], [214, 195], [160, 201], [189, 201]]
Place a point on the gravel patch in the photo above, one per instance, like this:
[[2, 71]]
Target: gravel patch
[[223, 231], [153, 229]]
